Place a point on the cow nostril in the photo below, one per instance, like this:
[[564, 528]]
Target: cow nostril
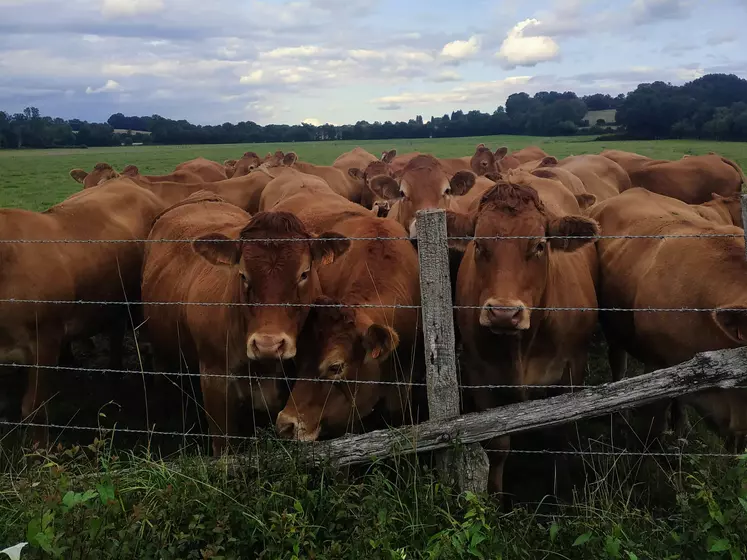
[[281, 346], [285, 427]]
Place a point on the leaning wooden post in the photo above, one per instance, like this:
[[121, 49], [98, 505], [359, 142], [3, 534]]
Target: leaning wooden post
[[467, 467]]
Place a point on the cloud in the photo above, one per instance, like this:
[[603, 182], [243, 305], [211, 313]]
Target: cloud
[[390, 107], [307, 51], [520, 50], [112, 8], [312, 122], [646, 11], [447, 76], [460, 50], [109, 86]]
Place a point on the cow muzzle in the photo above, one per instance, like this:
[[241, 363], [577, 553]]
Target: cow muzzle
[[290, 426], [505, 316], [277, 346]]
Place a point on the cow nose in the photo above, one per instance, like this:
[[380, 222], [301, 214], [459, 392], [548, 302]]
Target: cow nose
[[269, 346], [286, 425], [504, 318], [505, 315]]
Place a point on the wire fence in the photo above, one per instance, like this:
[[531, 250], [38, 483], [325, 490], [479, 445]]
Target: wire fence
[[289, 379]]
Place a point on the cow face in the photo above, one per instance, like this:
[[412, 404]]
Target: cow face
[[101, 173], [423, 184], [336, 345], [484, 161], [282, 270], [246, 164], [511, 275], [376, 170]]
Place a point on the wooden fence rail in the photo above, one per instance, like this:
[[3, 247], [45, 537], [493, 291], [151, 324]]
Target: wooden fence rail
[[723, 369]]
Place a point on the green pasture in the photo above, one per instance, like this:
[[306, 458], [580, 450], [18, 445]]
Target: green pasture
[[37, 179]]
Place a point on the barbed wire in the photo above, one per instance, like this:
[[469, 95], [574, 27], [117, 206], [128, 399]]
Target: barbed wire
[[372, 306], [322, 239], [287, 378], [621, 453], [119, 429]]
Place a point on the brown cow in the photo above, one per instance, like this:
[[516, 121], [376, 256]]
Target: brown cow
[[528, 154], [691, 179], [208, 170], [424, 183], [370, 199], [375, 344], [673, 273], [101, 173], [179, 176], [601, 176], [243, 166], [500, 281], [224, 264], [340, 182], [357, 158], [35, 333], [484, 161]]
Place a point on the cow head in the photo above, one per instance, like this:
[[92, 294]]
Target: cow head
[[336, 345], [101, 173], [511, 274], [423, 184], [731, 204], [378, 168], [388, 157], [484, 161], [246, 164], [229, 166], [282, 270]]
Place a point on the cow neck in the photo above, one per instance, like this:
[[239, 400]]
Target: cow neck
[[235, 319]]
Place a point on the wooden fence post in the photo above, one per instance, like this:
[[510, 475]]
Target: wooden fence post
[[743, 200], [468, 466]]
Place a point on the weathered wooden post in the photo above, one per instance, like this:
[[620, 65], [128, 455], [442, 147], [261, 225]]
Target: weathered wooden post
[[743, 200], [467, 467]]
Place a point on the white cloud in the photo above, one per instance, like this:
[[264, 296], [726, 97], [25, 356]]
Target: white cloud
[[312, 122], [366, 54], [112, 8], [459, 50], [254, 77], [520, 49], [447, 76], [109, 86], [306, 51]]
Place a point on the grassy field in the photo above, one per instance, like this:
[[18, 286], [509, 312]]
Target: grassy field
[[116, 497], [35, 180]]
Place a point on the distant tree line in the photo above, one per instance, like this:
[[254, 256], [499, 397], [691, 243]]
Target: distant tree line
[[714, 106]]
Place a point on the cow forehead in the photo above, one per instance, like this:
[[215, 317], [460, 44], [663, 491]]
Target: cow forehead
[[496, 223], [275, 256]]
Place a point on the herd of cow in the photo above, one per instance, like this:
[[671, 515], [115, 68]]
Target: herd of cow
[[279, 281]]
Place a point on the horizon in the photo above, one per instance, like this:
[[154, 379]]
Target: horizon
[[343, 61]]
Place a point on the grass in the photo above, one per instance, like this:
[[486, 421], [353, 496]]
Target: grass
[[90, 503], [36, 179], [105, 500]]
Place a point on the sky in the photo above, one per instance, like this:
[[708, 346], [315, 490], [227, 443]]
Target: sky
[[340, 61]]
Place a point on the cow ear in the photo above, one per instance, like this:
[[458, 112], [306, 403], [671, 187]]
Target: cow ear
[[460, 225], [733, 321], [217, 249], [586, 200], [568, 228], [290, 159], [230, 162], [380, 341], [462, 182], [549, 161], [79, 175], [356, 173], [387, 157], [385, 187], [501, 152], [480, 146], [131, 171], [329, 246]]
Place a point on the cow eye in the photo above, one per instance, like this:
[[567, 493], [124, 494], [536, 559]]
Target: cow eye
[[335, 371], [402, 194], [244, 279], [539, 250], [447, 191], [304, 276]]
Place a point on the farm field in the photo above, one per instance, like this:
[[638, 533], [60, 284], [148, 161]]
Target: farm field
[[37, 179], [121, 492]]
